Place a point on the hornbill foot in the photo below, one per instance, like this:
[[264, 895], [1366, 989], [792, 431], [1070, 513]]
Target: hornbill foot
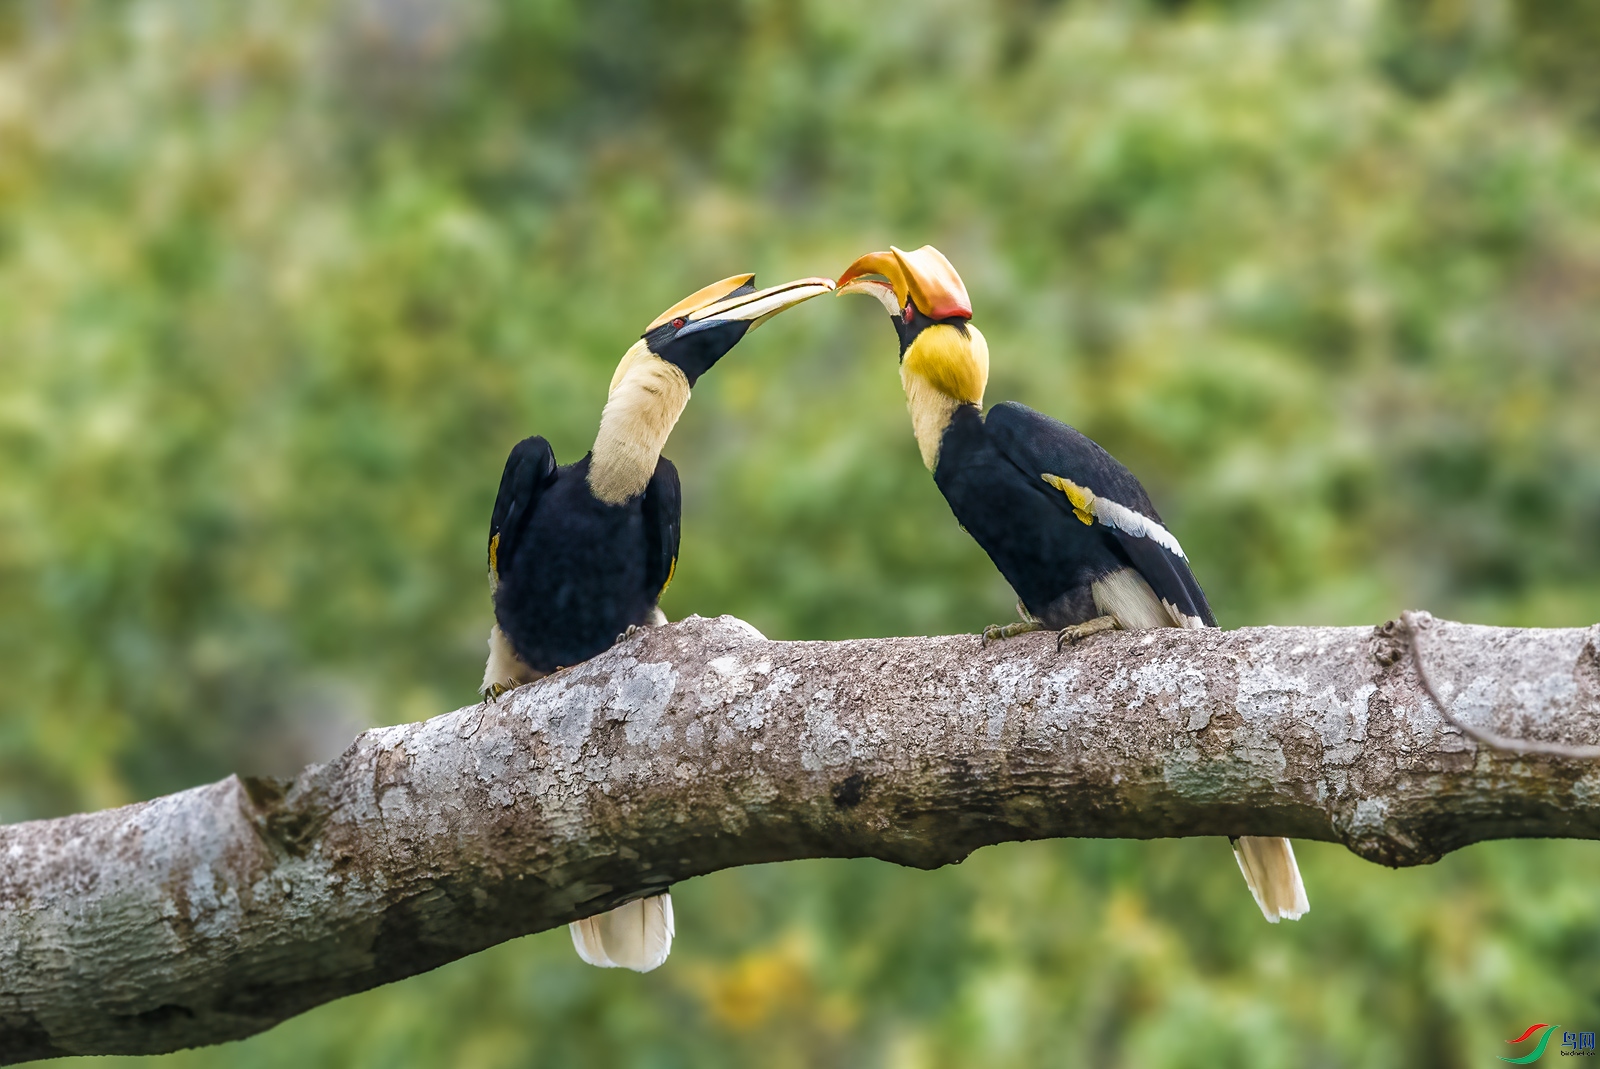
[[999, 633], [490, 692], [1070, 636], [633, 629]]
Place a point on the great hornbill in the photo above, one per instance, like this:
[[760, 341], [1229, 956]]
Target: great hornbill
[[580, 554], [1070, 528]]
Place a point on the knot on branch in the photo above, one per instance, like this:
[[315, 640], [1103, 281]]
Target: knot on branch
[[288, 822]]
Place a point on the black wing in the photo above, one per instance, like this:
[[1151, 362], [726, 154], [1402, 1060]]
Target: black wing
[[663, 508], [530, 468], [1040, 445]]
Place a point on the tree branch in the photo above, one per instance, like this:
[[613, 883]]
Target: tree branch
[[215, 913]]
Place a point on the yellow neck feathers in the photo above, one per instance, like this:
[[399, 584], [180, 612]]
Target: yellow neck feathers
[[647, 397], [942, 370]]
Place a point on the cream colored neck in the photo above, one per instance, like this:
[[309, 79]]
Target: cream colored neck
[[931, 410], [647, 397]]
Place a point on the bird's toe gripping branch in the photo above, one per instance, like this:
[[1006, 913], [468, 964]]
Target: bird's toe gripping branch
[[1071, 636], [1001, 632]]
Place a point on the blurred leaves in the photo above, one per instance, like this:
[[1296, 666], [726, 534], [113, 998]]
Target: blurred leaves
[[280, 285]]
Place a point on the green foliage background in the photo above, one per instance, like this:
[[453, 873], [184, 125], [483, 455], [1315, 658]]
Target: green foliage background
[[280, 283]]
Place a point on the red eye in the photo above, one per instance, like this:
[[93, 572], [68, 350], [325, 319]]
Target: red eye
[[908, 312], [677, 324]]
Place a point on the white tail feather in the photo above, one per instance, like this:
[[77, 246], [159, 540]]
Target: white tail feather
[[1273, 877], [636, 935]]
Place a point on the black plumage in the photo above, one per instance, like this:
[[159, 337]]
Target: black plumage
[[571, 571], [991, 471]]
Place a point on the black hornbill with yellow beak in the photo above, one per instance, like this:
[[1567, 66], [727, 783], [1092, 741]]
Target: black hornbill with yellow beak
[[580, 554], [1070, 528]]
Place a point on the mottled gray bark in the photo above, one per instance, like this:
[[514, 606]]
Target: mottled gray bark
[[215, 913]]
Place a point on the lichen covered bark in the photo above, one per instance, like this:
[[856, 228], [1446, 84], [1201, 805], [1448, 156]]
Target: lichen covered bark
[[218, 912]]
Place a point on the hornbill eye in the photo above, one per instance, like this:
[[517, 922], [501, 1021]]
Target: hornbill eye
[[677, 324]]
